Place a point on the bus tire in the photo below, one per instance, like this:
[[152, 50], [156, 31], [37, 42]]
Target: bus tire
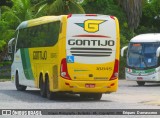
[[49, 93], [140, 83], [42, 87], [18, 86]]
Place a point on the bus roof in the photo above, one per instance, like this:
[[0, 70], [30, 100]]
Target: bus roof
[[38, 21], [151, 37], [47, 19]]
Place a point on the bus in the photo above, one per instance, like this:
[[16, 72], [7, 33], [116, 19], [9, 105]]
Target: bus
[[143, 58], [75, 53]]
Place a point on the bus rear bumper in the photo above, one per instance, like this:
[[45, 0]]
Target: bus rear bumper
[[145, 78], [88, 86]]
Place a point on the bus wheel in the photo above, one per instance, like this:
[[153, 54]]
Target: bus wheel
[[49, 93], [18, 86], [140, 83], [42, 88]]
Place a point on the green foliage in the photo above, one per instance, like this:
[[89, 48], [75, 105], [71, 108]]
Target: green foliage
[[150, 21], [75, 8], [133, 10], [2, 43], [8, 3], [10, 19], [111, 7], [59, 7], [5, 70], [4, 34], [28, 9], [22, 9], [3, 26]]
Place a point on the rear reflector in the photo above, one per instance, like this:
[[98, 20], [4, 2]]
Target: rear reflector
[[112, 84]]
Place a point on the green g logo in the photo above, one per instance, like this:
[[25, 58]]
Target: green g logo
[[91, 26]]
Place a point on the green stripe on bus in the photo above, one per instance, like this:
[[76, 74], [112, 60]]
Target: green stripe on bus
[[26, 64], [141, 71]]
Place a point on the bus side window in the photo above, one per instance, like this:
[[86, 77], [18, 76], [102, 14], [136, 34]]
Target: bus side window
[[25, 39], [39, 36], [54, 30], [21, 41], [34, 37], [14, 43], [49, 37]]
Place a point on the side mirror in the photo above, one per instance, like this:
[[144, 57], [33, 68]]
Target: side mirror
[[122, 50], [158, 52], [10, 45]]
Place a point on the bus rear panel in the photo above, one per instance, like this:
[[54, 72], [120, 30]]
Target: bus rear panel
[[90, 63]]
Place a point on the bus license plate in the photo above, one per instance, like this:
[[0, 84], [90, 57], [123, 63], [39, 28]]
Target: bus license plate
[[139, 78], [90, 85]]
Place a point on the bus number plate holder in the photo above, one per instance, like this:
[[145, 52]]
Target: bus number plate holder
[[90, 85], [139, 78]]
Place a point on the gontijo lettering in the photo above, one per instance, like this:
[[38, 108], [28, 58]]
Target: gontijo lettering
[[80, 42], [39, 55]]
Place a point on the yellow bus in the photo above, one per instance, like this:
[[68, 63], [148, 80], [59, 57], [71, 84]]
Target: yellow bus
[[76, 53]]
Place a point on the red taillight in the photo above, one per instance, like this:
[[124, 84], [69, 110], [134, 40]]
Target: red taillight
[[112, 17], [115, 72], [69, 15], [64, 70]]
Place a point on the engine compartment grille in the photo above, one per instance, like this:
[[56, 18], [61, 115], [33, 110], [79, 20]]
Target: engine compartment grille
[[91, 52]]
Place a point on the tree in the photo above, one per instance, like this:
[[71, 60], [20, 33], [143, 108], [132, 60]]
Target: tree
[[23, 10], [10, 19], [20, 11], [58, 7], [133, 10], [150, 21], [8, 3], [28, 9]]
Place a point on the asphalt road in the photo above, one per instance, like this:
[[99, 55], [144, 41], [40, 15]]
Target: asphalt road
[[128, 96]]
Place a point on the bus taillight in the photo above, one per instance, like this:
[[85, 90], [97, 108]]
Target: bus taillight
[[112, 17], [69, 15], [115, 72], [64, 70]]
